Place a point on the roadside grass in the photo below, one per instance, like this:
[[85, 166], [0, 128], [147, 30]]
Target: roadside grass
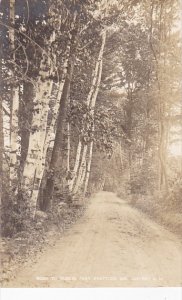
[[161, 212], [25, 246]]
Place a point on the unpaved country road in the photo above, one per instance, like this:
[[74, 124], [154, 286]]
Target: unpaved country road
[[112, 245]]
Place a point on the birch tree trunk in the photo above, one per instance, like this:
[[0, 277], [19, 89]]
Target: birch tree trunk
[[92, 106], [94, 97], [68, 177], [68, 146], [26, 109], [76, 166], [40, 162], [1, 149], [34, 165], [91, 101], [1, 133], [88, 167], [14, 144], [40, 136], [83, 174], [53, 168], [81, 170], [59, 137], [51, 128]]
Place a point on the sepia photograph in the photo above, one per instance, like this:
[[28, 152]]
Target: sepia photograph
[[91, 144]]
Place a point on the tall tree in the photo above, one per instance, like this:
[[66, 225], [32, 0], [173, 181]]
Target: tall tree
[[14, 144], [62, 114]]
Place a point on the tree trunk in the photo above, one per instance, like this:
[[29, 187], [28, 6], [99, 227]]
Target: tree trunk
[[95, 94], [1, 150], [68, 177], [83, 174], [33, 166], [58, 138], [81, 170], [95, 82], [76, 166], [51, 129], [88, 167], [92, 106], [26, 108], [14, 143], [91, 101], [39, 139], [68, 146], [53, 167], [14, 124], [40, 162]]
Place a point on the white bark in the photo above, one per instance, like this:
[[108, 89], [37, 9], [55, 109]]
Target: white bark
[[69, 180], [14, 144], [39, 162], [34, 164], [81, 170], [95, 74], [1, 149], [91, 101], [68, 146], [92, 106], [46, 136], [83, 173], [51, 128], [76, 166], [12, 22], [95, 94], [40, 140], [88, 167], [39, 122]]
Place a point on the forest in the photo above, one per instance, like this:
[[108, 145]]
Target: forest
[[91, 100]]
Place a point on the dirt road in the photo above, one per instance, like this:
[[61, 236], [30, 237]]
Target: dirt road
[[112, 245]]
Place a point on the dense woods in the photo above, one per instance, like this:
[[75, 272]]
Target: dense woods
[[90, 100]]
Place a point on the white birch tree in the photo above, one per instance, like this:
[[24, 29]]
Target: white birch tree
[[91, 101], [14, 127]]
